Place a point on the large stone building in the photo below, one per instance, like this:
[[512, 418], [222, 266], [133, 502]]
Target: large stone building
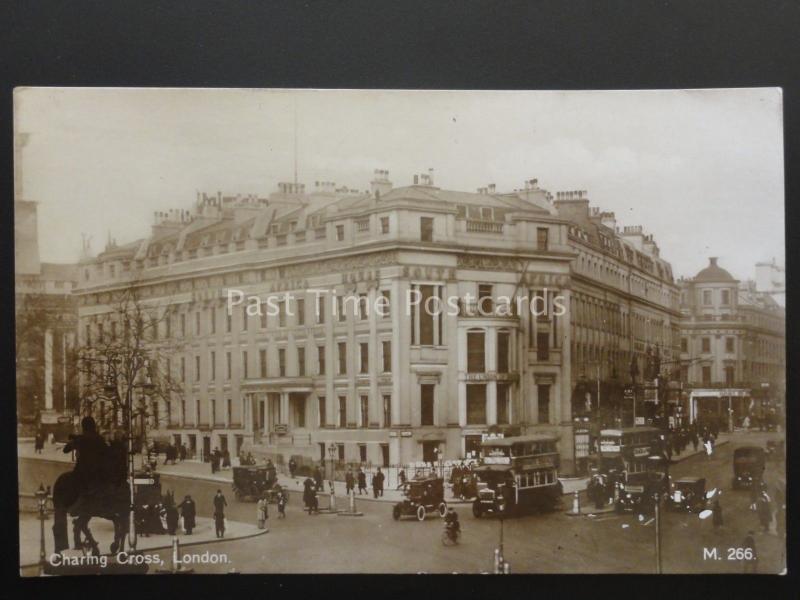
[[324, 368], [732, 347], [46, 317]]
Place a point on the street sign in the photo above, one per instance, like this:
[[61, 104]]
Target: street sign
[[144, 481]]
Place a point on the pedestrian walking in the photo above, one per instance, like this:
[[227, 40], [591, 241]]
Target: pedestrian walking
[[375, 484], [219, 513], [292, 467], [749, 546], [362, 482], [188, 513], [764, 510], [401, 477], [282, 500], [716, 510], [38, 443], [182, 452], [226, 460], [310, 495], [172, 518], [261, 512], [708, 447], [349, 481], [214, 460], [695, 440]]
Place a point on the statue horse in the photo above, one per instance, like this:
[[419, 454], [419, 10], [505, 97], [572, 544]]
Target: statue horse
[[107, 501]]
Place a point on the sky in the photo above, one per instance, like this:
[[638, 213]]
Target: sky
[[702, 170]]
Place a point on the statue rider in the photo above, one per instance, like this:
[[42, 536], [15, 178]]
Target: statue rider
[[91, 455]]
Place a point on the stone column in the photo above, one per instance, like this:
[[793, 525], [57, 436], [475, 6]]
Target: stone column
[[491, 367], [375, 360], [401, 355], [564, 398], [48, 369], [283, 416]]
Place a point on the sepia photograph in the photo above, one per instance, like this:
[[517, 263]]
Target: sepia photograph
[[344, 331]]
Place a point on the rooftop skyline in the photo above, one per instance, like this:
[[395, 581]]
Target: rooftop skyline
[[700, 170]]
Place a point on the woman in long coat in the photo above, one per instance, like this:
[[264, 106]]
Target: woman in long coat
[[188, 512], [309, 495], [261, 512]]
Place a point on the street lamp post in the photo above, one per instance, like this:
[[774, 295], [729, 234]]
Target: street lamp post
[[41, 498], [332, 454]]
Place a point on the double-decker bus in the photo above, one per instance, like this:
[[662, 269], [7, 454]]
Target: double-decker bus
[[517, 472], [627, 449], [632, 458]]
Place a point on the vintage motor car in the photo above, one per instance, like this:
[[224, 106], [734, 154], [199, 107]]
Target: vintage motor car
[[250, 483], [687, 494], [637, 491], [748, 466], [421, 497]]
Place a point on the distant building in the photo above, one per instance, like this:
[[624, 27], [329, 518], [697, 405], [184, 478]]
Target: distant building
[[771, 280], [732, 347], [329, 374], [46, 318]]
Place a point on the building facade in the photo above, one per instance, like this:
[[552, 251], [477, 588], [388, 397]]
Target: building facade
[[732, 348], [386, 325], [45, 319]]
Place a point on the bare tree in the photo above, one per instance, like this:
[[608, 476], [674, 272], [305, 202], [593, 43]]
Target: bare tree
[[125, 363]]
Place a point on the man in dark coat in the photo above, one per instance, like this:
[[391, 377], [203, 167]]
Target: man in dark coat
[[349, 481], [716, 509], [310, 495], [172, 518], [92, 455], [219, 513], [292, 467], [38, 443], [362, 482], [377, 483], [182, 452], [188, 512]]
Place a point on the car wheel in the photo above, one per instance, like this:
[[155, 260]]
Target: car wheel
[[420, 513], [396, 513], [477, 509], [442, 509]]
